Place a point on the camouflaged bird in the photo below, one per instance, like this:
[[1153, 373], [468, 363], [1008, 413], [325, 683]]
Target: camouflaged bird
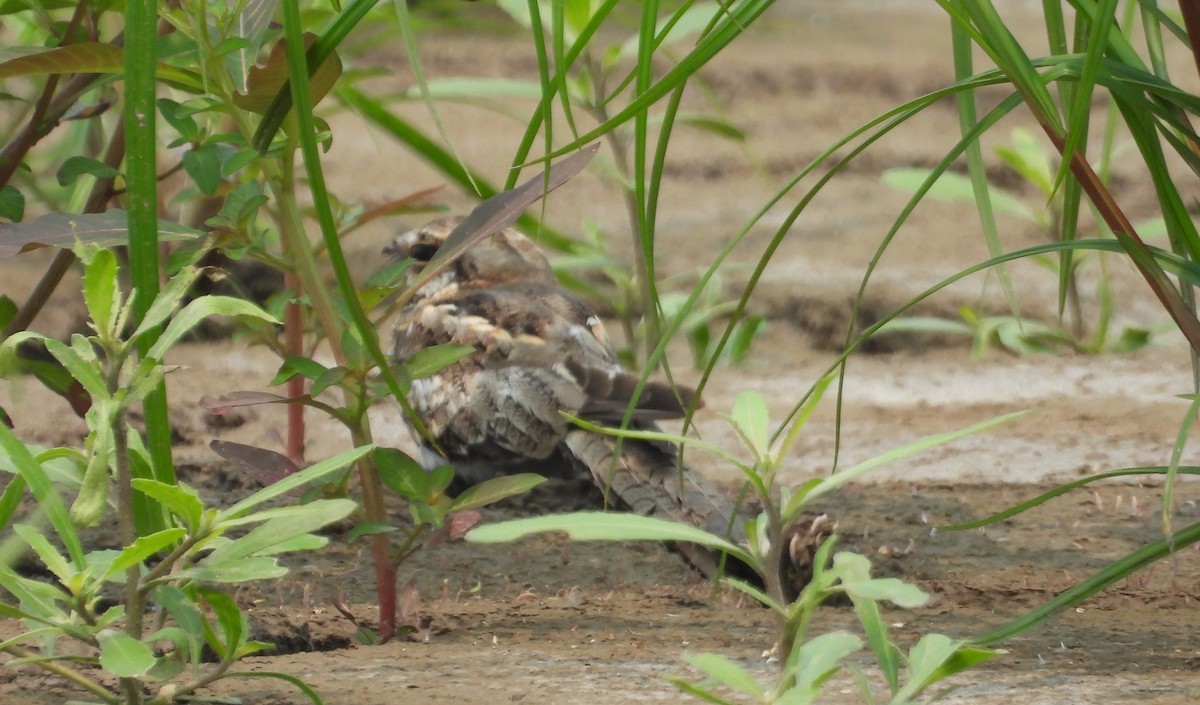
[[538, 352]]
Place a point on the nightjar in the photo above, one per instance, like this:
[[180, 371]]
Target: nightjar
[[538, 352]]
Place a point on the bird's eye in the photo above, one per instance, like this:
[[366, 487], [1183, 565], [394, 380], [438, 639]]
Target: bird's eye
[[422, 252]]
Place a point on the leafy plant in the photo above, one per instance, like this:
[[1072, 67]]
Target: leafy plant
[[169, 612], [1019, 334], [776, 540]]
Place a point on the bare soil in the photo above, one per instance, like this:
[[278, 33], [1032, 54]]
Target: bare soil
[[548, 621]]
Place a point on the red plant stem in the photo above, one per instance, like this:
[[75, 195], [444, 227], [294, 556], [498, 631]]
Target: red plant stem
[[1190, 9], [293, 340], [1115, 218]]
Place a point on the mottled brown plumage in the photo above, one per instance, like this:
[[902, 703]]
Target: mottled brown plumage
[[539, 352]]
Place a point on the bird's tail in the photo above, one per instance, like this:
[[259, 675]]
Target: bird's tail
[[646, 478]]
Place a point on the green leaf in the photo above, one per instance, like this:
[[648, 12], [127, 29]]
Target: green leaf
[[203, 164], [83, 371], [726, 672], [168, 300], [604, 526], [91, 503], [142, 548], [50, 556], [433, 359], [893, 590], [240, 571], [934, 658], [199, 309], [293, 481], [954, 188], [303, 366], [179, 117], [369, 528], [229, 618], [401, 474], [817, 659], [43, 491], [100, 291], [495, 489], [750, 417], [180, 499], [77, 166], [124, 656], [183, 611], [10, 499], [12, 203], [282, 528]]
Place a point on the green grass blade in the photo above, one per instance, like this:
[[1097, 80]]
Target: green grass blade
[[141, 20], [1117, 570], [1061, 490]]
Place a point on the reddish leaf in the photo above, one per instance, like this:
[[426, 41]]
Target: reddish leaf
[[263, 82], [232, 400], [264, 466], [83, 57], [65, 229]]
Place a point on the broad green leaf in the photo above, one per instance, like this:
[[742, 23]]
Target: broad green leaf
[[100, 291], [203, 164], [282, 528], [893, 590], [230, 619], [180, 499], [239, 571], [369, 528], [819, 658], [12, 203], [199, 309], [183, 611], [935, 657], [433, 359], [726, 672], [401, 474], [78, 165], [887, 654], [124, 656], [50, 556], [165, 668], [495, 489], [305, 367], [604, 526], [293, 481], [142, 548]]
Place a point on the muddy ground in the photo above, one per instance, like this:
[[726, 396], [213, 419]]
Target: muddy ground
[[551, 622]]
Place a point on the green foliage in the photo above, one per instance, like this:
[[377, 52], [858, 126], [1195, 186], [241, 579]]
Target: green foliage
[[1025, 157], [170, 567], [807, 662]]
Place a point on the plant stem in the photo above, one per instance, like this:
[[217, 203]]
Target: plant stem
[[66, 672], [373, 511]]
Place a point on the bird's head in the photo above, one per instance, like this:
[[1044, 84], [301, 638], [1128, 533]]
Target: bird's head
[[504, 257]]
